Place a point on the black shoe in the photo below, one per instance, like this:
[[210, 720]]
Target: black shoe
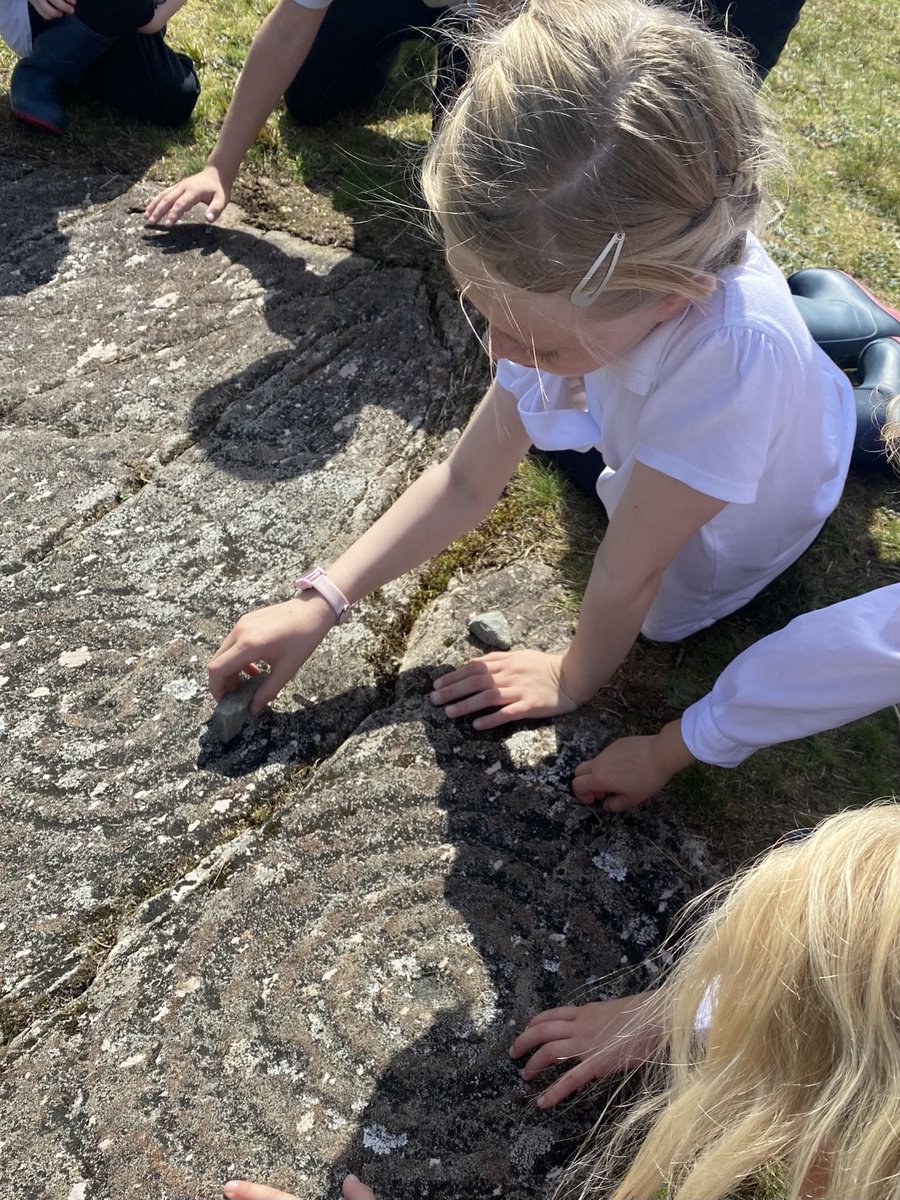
[[841, 315], [879, 381], [61, 55]]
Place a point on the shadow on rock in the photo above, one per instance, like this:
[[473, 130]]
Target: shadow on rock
[[35, 191], [357, 338], [551, 897]]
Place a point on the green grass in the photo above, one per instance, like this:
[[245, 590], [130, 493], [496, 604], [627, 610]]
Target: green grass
[[835, 93]]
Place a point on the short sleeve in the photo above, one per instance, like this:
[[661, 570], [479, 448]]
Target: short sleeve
[[709, 420], [313, 3]]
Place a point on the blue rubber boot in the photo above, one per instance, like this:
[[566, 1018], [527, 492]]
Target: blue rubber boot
[[842, 315], [878, 381], [61, 55]]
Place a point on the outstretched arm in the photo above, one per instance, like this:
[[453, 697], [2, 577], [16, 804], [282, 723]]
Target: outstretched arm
[[445, 502], [276, 55], [824, 669]]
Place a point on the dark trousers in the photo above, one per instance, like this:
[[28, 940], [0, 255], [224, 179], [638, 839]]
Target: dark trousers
[[359, 40], [765, 24], [140, 75], [353, 53]]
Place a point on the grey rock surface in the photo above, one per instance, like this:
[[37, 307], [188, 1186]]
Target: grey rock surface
[[304, 951], [492, 629], [210, 411]]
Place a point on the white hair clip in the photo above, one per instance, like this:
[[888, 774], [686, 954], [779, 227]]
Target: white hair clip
[[583, 295]]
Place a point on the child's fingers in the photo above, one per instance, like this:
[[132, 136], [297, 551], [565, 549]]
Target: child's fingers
[[537, 1035], [489, 698], [509, 712], [182, 203], [267, 691], [461, 683], [224, 668], [586, 789], [216, 206], [355, 1189], [619, 802], [575, 1078], [243, 1189], [566, 1012], [548, 1055], [160, 205], [474, 666]]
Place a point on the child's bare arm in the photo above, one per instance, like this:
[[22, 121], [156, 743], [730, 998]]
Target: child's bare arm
[[654, 519], [276, 55], [607, 1037], [443, 503]]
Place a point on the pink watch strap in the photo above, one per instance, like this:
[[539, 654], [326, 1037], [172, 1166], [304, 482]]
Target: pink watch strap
[[316, 579]]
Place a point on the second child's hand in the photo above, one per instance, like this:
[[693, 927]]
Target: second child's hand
[[243, 1189], [632, 769], [595, 1040], [518, 683]]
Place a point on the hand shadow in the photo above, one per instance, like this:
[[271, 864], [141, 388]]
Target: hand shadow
[[43, 177]]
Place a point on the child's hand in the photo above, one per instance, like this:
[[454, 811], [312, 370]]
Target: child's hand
[[283, 635], [206, 187], [50, 11], [608, 1036], [243, 1189], [631, 769], [520, 683], [355, 1189]]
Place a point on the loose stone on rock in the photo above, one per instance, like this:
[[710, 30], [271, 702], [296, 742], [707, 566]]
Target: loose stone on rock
[[491, 628], [231, 713]]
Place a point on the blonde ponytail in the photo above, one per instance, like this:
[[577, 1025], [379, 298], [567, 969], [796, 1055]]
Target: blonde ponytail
[[585, 118]]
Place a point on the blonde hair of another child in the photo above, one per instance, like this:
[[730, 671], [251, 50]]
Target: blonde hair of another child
[[800, 1062], [891, 431], [586, 118]]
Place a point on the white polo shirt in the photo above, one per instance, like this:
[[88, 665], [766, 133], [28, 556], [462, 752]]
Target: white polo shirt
[[824, 669], [732, 398]]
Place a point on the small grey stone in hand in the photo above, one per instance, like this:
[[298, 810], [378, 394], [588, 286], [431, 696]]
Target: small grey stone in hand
[[491, 628], [231, 713]]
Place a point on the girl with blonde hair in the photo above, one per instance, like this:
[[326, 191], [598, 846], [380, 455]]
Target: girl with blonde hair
[[596, 185], [773, 1042], [777, 1033]]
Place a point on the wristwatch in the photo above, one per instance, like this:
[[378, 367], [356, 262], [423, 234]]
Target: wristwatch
[[317, 579]]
